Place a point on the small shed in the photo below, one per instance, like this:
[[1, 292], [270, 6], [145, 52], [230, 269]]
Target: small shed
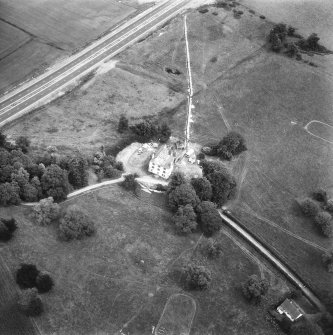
[[290, 309]]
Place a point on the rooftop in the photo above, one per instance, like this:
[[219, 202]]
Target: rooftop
[[290, 309], [163, 157]]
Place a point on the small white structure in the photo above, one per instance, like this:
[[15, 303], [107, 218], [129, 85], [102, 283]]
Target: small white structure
[[162, 162], [189, 153], [290, 309]]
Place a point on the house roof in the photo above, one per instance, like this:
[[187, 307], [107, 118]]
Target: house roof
[[163, 158], [291, 309]]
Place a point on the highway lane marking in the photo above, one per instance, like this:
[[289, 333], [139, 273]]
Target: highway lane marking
[[85, 61]]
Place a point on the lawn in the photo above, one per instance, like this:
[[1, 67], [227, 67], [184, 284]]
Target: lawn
[[121, 278], [55, 30]]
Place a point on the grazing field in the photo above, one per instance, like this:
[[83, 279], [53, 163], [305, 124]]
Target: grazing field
[[36, 33], [121, 278]]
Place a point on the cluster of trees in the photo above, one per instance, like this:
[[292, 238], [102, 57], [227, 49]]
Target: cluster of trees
[[145, 131], [196, 277], [7, 228], [130, 183], [195, 202], [212, 248], [75, 223], [32, 281], [106, 166], [254, 289], [319, 207], [230, 145], [278, 39]]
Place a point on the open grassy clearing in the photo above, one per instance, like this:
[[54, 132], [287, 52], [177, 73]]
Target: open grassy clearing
[[55, 29], [122, 277]]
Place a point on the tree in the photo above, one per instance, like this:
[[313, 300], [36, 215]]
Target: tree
[[22, 178], [3, 140], [276, 43], [146, 130], [111, 172], [202, 188], [5, 234], [312, 41], [212, 248], [45, 211], [26, 275], [185, 219], [130, 183], [44, 282], [164, 132], [309, 207], [23, 143], [183, 195], [324, 222], [30, 303], [196, 277], [209, 167], [327, 258], [291, 50], [254, 289], [77, 172], [291, 31], [123, 124], [9, 194], [305, 328], [176, 179], [209, 218], [233, 142], [30, 193], [10, 224], [320, 195], [54, 183], [75, 224], [223, 186]]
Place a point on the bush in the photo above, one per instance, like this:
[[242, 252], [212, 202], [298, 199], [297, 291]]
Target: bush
[[320, 195], [23, 143], [5, 234], [119, 166], [45, 211], [30, 303], [185, 219], [324, 222], [254, 289], [202, 188], [130, 183], [160, 187], [212, 248], [329, 205], [123, 124], [327, 259], [209, 218], [196, 277], [309, 207], [10, 224], [183, 195], [44, 282], [111, 172], [26, 275], [75, 224]]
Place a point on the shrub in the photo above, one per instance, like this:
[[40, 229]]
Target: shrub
[[23, 143], [44, 282], [119, 166], [291, 31], [30, 303], [196, 277], [185, 219], [209, 218], [123, 124], [254, 289], [5, 234], [160, 187], [323, 221], [54, 182], [45, 211], [111, 172], [202, 188], [212, 248], [130, 183], [327, 258], [10, 224], [183, 195], [26, 275], [329, 205], [320, 195], [75, 224], [309, 207]]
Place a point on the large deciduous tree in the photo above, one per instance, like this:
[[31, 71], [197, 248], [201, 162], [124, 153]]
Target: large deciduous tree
[[209, 218], [185, 219], [255, 288], [202, 188], [183, 195]]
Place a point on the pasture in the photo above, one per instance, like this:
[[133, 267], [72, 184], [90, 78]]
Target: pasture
[[121, 278], [35, 34]]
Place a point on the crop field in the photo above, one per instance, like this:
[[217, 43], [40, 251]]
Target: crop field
[[34, 34], [122, 278]]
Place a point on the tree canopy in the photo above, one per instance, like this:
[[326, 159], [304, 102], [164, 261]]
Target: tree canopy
[[185, 219], [183, 195], [209, 218]]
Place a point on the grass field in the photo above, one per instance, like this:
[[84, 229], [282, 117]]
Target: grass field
[[121, 278], [34, 34]]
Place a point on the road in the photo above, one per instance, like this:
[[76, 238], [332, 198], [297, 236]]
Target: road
[[19, 101], [292, 276]]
